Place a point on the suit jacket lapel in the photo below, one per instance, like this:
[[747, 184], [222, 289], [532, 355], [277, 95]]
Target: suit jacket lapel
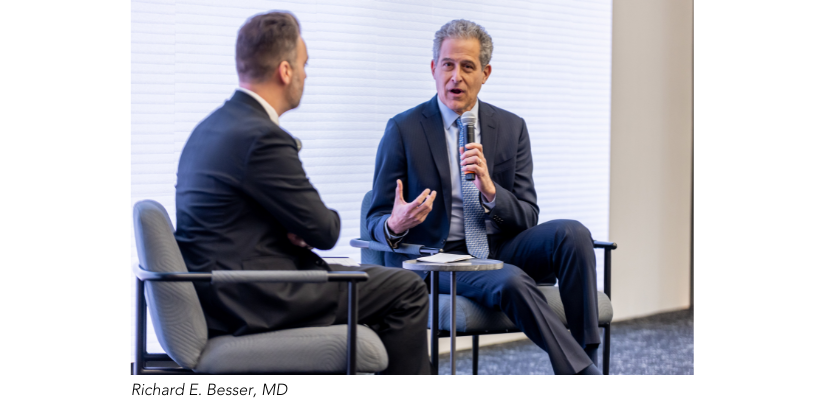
[[432, 124], [489, 134]]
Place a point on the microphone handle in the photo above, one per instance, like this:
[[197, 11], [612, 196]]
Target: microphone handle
[[470, 138]]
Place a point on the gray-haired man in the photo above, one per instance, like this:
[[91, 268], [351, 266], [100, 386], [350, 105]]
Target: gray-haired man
[[494, 216]]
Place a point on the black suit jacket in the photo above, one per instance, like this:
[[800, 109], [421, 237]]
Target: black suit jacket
[[240, 189], [413, 149]]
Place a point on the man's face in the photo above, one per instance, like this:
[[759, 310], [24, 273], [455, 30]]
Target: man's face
[[458, 73], [295, 91]]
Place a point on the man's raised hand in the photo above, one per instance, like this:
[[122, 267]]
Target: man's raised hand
[[409, 215]]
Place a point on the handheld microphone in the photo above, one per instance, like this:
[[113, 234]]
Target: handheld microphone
[[468, 120]]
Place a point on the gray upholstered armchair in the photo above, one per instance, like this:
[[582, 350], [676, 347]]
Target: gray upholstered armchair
[[473, 319], [180, 325]]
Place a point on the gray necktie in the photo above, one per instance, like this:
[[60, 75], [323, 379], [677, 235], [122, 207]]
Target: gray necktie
[[473, 213]]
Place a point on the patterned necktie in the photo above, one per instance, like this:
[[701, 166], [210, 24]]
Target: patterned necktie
[[473, 213]]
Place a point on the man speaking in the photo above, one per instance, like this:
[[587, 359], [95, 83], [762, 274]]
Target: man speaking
[[423, 153], [244, 203]]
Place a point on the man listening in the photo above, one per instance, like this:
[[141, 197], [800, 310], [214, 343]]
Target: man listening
[[244, 203]]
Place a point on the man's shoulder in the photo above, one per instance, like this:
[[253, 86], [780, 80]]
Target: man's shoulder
[[498, 113], [229, 134], [239, 121], [413, 114]]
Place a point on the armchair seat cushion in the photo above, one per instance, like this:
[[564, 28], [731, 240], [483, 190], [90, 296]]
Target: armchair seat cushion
[[472, 318], [318, 350]]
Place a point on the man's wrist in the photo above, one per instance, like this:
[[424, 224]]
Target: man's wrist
[[487, 205], [391, 234], [489, 196], [389, 227]]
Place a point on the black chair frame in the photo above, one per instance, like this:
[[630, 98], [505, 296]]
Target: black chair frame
[[143, 358], [434, 300]]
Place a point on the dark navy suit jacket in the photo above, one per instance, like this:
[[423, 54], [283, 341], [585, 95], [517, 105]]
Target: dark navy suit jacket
[[413, 149], [240, 189]]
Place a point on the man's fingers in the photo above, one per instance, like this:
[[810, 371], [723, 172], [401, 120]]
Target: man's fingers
[[478, 146], [431, 198], [421, 197], [399, 192], [471, 160], [297, 240], [426, 206], [471, 153], [474, 168]]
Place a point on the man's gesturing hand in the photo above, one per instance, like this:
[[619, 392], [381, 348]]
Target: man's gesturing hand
[[409, 215]]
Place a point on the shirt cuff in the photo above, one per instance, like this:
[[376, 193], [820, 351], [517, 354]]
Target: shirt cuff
[[488, 205], [389, 233]]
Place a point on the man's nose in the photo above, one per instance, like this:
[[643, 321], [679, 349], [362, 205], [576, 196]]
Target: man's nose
[[456, 75]]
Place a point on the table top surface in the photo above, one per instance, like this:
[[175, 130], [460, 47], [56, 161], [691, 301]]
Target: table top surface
[[473, 264]]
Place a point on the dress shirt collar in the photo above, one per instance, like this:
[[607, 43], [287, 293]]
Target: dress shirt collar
[[450, 116], [273, 115]]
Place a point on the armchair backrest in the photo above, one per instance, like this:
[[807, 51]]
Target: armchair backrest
[[368, 256], [178, 318]]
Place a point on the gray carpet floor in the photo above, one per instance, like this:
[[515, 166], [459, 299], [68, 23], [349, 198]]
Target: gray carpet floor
[[660, 344]]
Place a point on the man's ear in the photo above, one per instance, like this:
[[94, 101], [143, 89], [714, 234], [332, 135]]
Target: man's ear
[[284, 73], [432, 65], [487, 72]]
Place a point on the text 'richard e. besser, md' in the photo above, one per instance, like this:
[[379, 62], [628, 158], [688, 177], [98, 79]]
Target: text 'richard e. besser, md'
[[276, 389]]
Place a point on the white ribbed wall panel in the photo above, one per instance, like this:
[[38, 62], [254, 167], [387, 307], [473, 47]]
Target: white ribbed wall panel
[[369, 60]]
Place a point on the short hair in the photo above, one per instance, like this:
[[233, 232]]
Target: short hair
[[263, 42], [463, 29]]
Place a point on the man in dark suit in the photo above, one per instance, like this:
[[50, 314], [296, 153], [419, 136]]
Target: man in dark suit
[[245, 203], [495, 216]]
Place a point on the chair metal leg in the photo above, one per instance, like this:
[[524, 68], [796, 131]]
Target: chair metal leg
[[434, 309], [606, 350], [608, 292], [140, 329], [474, 354], [352, 338], [453, 291]]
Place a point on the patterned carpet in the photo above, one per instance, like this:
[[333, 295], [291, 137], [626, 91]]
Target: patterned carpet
[[660, 344]]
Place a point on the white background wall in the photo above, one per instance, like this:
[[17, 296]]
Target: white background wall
[[650, 167]]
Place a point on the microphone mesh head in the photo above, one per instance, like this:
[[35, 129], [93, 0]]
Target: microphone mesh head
[[468, 119]]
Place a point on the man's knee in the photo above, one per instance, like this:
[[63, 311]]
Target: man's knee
[[412, 283], [561, 229], [569, 227], [516, 282]]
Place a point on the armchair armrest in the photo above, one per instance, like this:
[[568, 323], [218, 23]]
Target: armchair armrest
[[604, 245], [251, 276], [403, 248], [351, 277]]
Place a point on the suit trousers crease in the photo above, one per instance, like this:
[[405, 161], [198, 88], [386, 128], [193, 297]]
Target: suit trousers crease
[[395, 304], [560, 247]]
